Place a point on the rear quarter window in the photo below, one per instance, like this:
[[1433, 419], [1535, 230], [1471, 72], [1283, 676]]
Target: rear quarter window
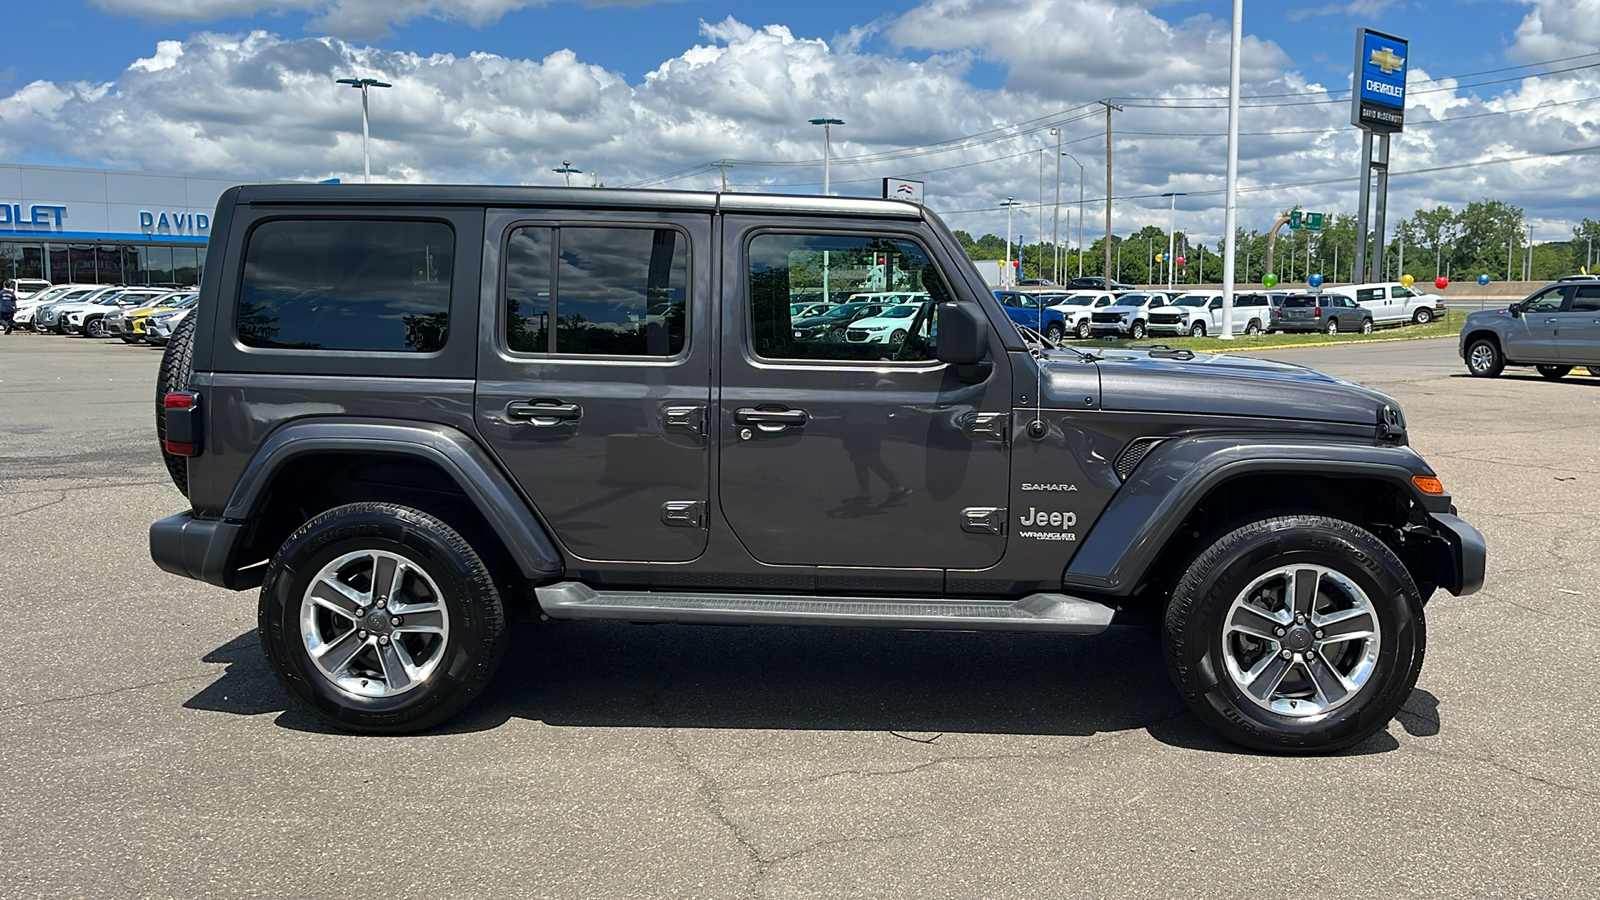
[[347, 285]]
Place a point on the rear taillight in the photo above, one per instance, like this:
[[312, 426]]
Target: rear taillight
[[1317, 313], [182, 412]]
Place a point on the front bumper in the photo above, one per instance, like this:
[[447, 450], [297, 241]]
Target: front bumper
[[1463, 555]]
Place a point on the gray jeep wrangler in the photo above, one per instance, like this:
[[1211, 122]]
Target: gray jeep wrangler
[[410, 413]]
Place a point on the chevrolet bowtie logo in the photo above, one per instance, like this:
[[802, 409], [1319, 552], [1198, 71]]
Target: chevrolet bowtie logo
[[1385, 59]]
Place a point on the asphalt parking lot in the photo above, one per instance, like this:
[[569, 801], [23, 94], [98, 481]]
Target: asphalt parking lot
[[147, 751]]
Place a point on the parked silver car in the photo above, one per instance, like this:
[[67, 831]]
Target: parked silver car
[[1554, 329]]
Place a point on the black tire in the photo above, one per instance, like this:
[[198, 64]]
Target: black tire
[[1198, 643], [898, 337], [1083, 330], [95, 328], [1422, 316], [1198, 329], [1484, 359], [177, 361], [1366, 326], [1253, 328], [1554, 373], [462, 660], [1054, 332], [1332, 327], [1136, 331]]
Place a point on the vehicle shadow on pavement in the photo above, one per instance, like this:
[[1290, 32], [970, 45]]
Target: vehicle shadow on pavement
[[608, 674]]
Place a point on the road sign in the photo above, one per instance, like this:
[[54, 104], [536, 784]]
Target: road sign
[[1294, 220], [1309, 221]]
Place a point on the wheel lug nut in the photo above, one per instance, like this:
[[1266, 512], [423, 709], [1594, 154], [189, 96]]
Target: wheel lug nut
[[1282, 632], [1319, 634], [382, 603], [362, 635], [1288, 654], [384, 639], [395, 621]]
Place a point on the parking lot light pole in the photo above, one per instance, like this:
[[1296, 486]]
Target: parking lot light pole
[[567, 171], [1080, 209], [1172, 233], [1010, 204], [363, 84], [827, 129]]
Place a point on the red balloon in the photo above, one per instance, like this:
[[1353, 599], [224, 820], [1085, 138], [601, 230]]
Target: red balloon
[[1180, 260], [1441, 282]]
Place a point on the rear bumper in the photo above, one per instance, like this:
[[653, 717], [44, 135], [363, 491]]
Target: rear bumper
[[202, 549]]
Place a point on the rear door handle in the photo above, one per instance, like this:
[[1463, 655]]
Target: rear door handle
[[771, 420], [543, 412]]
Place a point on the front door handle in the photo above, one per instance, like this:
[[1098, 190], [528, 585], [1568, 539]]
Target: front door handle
[[543, 412], [771, 421]]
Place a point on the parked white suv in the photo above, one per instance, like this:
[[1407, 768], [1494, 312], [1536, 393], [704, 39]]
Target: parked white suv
[[1130, 315], [1077, 308], [1196, 313], [1392, 303]]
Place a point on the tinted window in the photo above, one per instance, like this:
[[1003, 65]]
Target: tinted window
[[781, 263], [347, 285], [1303, 301], [1369, 294], [1585, 298], [609, 291]]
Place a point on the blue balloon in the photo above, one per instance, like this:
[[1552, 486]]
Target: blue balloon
[[1315, 281], [1483, 279]]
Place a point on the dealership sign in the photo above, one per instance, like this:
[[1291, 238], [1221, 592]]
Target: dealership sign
[[1378, 103], [173, 223], [38, 216]]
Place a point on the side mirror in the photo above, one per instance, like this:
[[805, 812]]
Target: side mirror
[[963, 334], [1516, 310]]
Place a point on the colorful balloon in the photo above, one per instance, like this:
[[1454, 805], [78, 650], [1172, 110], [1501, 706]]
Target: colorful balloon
[[1315, 280], [1406, 280], [1483, 279], [1180, 260], [1270, 279], [1441, 282]]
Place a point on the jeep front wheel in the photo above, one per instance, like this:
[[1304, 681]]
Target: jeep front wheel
[[1298, 634], [380, 618]]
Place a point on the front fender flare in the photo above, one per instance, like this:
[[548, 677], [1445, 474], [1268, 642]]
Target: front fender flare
[[1128, 536]]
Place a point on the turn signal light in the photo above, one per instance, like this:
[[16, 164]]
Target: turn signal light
[[1428, 484], [182, 431]]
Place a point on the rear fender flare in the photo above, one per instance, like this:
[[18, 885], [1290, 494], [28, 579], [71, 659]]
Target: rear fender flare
[[449, 449]]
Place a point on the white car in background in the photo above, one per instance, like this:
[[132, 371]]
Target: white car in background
[[1129, 315], [1392, 303], [40, 313], [27, 288], [888, 327], [1195, 313], [1077, 308]]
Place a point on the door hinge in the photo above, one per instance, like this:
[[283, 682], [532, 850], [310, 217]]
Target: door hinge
[[685, 418], [684, 513], [984, 519], [987, 426]]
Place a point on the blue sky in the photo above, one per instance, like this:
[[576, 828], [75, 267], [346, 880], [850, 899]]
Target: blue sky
[[632, 90]]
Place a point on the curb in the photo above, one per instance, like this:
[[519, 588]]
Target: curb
[[1393, 340]]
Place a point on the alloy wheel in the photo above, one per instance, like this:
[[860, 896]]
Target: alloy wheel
[[374, 623]]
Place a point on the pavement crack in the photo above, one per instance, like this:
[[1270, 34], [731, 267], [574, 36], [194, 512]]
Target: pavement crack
[[121, 690], [1493, 763]]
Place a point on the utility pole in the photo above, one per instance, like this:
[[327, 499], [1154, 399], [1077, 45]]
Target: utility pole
[[1010, 204], [1109, 108], [724, 166]]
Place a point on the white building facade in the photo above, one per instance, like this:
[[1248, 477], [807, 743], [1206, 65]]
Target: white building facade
[[70, 225]]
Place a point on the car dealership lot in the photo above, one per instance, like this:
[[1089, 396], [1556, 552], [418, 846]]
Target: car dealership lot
[[147, 750]]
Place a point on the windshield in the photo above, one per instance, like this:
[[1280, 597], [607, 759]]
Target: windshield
[[1078, 300], [899, 312], [1135, 299], [840, 312], [1192, 300]]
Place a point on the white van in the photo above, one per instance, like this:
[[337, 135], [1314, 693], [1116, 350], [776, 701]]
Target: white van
[[1392, 303]]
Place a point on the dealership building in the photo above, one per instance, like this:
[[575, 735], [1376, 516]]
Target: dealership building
[[99, 226]]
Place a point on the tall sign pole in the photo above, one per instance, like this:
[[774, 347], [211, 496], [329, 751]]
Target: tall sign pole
[[1109, 107], [1230, 210], [1378, 108]]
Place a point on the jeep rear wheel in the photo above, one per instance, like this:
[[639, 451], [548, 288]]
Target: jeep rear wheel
[[1298, 634], [380, 618]]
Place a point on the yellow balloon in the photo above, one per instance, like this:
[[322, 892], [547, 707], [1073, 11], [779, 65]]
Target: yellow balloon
[[1406, 280]]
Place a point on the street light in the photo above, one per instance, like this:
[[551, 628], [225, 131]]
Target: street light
[[568, 171], [1080, 211], [827, 129], [1010, 204], [363, 84], [1172, 232], [1055, 267]]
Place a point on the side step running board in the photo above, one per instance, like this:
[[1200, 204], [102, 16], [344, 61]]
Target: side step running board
[[1036, 612]]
